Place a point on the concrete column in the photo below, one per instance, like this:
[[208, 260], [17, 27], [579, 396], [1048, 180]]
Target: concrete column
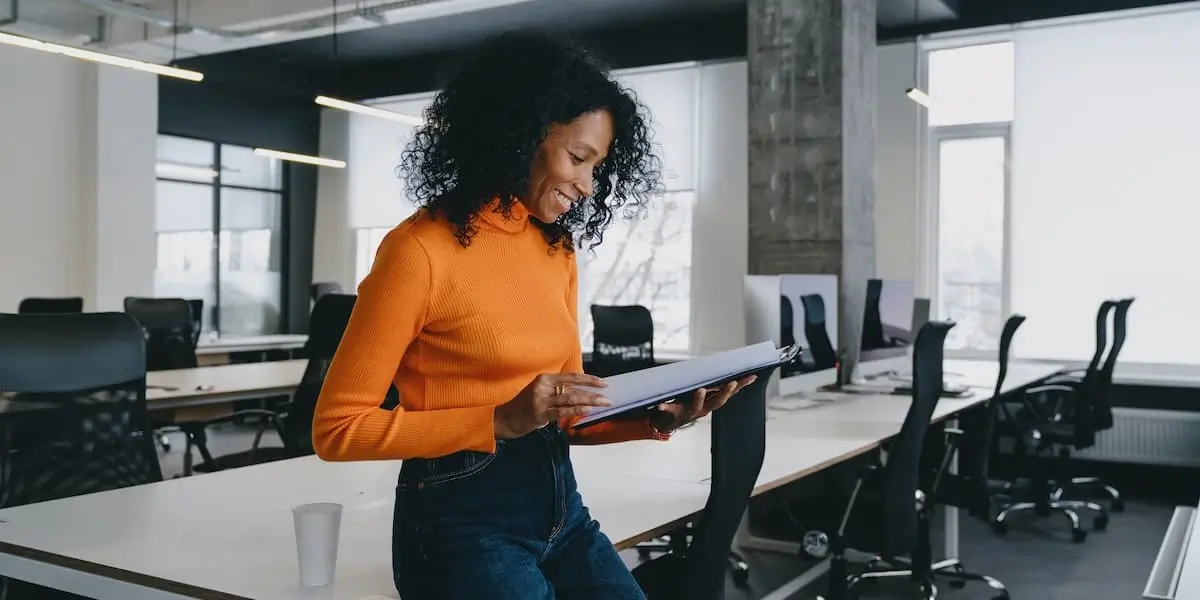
[[117, 152], [812, 80]]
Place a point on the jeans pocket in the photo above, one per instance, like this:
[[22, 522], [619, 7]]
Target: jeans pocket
[[456, 467]]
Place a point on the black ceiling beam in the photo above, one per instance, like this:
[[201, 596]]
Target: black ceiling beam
[[712, 36], [975, 14]]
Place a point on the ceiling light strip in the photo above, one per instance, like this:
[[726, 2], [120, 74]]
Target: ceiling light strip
[[364, 109], [920, 97], [99, 57], [319, 161]]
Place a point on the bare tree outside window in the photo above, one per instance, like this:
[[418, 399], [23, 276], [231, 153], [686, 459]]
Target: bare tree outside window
[[646, 260]]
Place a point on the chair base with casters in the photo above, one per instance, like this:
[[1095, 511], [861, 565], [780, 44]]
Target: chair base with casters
[[919, 567], [1045, 504], [677, 543], [1041, 493]]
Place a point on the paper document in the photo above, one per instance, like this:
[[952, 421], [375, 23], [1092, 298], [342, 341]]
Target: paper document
[[631, 391]]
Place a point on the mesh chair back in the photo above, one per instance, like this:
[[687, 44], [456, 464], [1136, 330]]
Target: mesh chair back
[[901, 474], [50, 306], [74, 406], [167, 325]]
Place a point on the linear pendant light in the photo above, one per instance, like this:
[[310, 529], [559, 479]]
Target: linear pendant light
[[920, 97], [364, 109], [319, 161], [915, 93], [99, 57]]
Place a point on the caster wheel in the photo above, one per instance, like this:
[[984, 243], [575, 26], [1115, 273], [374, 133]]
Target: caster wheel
[[957, 584], [1078, 536], [643, 553], [1000, 527], [1100, 523], [741, 574], [1118, 505]]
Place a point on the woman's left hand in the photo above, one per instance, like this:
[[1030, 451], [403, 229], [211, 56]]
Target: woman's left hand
[[673, 415]]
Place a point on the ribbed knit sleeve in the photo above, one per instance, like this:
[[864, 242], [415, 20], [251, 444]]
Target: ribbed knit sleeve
[[392, 307], [611, 431]]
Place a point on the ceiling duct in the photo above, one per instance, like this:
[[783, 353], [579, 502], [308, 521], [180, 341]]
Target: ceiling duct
[[376, 15], [50, 19]]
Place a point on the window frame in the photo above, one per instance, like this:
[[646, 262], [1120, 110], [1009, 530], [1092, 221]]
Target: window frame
[[216, 185], [929, 140], [931, 217]]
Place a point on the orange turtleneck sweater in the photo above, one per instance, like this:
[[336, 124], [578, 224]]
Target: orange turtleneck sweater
[[458, 331]]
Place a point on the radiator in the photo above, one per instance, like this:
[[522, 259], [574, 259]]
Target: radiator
[[1143, 436]]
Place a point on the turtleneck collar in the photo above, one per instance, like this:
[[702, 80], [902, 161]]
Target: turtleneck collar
[[518, 222]]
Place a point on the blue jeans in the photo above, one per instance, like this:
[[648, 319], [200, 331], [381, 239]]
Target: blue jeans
[[503, 526]]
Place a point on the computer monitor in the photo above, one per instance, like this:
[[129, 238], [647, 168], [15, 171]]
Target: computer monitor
[[795, 309], [887, 327]]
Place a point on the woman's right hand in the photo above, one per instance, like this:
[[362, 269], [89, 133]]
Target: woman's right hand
[[547, 398]]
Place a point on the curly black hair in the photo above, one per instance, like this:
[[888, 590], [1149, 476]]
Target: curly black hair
[[484, 127]]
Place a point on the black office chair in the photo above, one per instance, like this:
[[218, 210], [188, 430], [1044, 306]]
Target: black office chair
[[971, 488], [886, 513], [197, 306], [50, 306], [872, 333], [321, 288], [1053, 418], [787, 337], [168, 325], [816, 332], [622, 339], [738, 448], [74, 419], [327, 324], [1102, 414]]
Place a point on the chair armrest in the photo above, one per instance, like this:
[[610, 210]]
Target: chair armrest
[[1072, 378]]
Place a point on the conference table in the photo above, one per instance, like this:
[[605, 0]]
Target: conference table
[[228, 535]]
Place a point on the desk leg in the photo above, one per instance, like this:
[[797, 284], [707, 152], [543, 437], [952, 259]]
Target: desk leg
[[950, 544]]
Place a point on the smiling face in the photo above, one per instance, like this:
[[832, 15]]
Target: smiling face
[[561, 173]]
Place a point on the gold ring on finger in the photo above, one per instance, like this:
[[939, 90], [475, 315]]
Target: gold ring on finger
[[560, 389]]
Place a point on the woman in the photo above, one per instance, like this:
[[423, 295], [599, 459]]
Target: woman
[[470, 312]]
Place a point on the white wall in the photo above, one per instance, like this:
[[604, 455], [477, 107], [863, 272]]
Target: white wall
[[333, 240], [897, 123], [77, 162]]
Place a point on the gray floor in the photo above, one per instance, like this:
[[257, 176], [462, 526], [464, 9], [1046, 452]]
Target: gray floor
[[1035, 560]]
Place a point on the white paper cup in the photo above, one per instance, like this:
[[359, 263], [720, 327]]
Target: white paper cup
[[317, 529]]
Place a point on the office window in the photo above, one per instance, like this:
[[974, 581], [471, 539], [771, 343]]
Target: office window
[[971, 84], [968, 188], [970, 191], [1104, 187], [644, 260], [219, 233]]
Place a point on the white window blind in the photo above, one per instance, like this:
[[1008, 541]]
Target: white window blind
[[375, 191], [670, 95], [1105, 143]]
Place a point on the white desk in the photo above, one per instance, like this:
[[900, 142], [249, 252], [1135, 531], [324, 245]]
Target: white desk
[[222, 383], [231, 532], [256, 343]]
